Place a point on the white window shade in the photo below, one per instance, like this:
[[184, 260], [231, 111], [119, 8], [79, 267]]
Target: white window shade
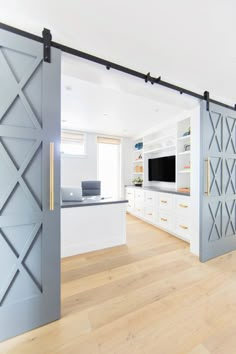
[[106, 140], [72, 142]]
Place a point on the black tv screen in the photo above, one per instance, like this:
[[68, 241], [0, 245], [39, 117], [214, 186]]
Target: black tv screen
[[162, 169]]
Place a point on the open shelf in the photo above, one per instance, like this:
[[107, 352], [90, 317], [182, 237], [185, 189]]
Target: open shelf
[[159, 138], [185, 152], [159, 149], [184, 137], [185, 171]]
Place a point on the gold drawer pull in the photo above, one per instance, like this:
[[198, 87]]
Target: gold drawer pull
[[183, 227], [149, 198], [164, 219], [183, 206], [149, 213], [164, 201]]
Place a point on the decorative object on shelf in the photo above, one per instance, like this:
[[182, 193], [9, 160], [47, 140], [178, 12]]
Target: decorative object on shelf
[[138, 146], [138, 181], [188, 132], [187, 167], [184, 190], [187, 147], [139, 158], [139, 169]]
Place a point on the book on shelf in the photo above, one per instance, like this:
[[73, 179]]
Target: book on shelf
[[184, 190]]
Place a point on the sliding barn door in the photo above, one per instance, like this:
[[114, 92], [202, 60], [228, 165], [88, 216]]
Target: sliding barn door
[[218, 187], [29, 230]]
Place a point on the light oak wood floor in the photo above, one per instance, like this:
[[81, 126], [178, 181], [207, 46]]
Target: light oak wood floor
[[149, 297]]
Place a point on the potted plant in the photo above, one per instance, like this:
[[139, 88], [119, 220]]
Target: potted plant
[[138, 181]]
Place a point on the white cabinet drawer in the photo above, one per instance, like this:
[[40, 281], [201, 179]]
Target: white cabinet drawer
[[130, 206], [139, 195], [182, 204], [165, 220], [138, 210], [149, 214], [165, 201], [183, 227], [149, 198], [129, 193]]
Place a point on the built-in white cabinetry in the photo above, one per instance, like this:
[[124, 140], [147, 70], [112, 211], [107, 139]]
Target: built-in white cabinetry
[[169, 211]]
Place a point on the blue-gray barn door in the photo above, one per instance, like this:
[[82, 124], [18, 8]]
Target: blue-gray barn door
[[218, 181], [29, 230]]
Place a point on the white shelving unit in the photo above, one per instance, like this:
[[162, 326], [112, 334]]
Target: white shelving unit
[[137, 160], [183, 159], [174, 139], [176, 213], [159, 141]]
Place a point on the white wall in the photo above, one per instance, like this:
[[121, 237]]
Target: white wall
[[77, 169]]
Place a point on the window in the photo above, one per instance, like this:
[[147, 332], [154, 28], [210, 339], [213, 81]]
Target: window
[[109, 169], [72, 143]]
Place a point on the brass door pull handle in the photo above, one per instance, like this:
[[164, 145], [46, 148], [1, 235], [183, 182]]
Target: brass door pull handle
[[164, 219], [149, 213], [208, 177], [183, 206], [183, 227], [51, 173], [164, 201]]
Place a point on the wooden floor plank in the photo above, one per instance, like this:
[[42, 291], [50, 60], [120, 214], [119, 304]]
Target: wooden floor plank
[[151, 296]]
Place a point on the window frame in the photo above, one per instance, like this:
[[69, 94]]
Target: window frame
[[81, 155]]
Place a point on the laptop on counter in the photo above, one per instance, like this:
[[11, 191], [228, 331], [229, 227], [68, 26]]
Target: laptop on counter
[[71, 194]]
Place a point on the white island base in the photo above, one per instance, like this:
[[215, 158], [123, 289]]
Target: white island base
[[86, 228]]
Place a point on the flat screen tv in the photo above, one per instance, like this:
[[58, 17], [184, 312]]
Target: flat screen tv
[[162, 169]]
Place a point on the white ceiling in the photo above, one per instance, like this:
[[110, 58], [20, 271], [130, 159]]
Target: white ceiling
[[189, 43], [106, 102]]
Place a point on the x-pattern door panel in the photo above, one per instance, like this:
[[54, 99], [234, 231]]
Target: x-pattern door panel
[[218, 191], [29, 231]]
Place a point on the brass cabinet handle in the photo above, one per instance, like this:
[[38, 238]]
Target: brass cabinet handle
[[51, 173], [164, 201], [149, 198], [208, 177], [164, 219], [149, 213], [183, 206], [183, 227]]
